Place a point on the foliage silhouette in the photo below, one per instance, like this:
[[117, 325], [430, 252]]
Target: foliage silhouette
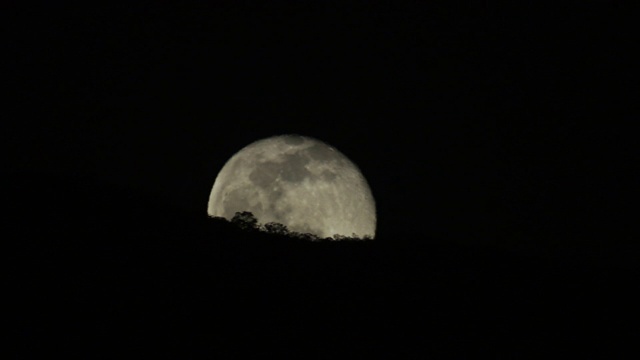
[[245, 220], [306, 236], [276, 228]]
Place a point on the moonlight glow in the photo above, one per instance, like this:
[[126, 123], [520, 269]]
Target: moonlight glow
[[297, 181]]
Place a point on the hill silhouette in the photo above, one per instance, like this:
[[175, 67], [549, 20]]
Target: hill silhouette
[[88, 256]]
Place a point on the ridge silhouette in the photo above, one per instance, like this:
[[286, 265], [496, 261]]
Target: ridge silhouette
[[94, 257]]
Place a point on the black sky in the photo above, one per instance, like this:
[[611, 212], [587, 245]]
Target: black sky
[[487, 121], [493, 138]]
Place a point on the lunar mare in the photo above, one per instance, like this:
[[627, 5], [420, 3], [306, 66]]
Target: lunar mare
[[299, 182]]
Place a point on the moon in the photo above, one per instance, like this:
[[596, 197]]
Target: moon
[[297, 181]]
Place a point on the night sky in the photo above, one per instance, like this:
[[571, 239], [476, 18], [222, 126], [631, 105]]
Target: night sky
[[479, 117], [487, 124]]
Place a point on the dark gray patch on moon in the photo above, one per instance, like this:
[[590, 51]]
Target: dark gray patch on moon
[[265, 174], [328, 175], [293, 168]]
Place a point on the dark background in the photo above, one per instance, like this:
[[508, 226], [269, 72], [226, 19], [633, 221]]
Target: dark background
[[494, 127]]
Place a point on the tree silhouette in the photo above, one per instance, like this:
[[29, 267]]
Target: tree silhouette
[[276, 228], [309, 237], [245, 220]]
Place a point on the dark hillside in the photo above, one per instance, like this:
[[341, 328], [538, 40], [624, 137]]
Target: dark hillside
[[100, 259]]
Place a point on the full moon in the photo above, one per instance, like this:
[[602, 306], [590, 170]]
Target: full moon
[[299, 182]]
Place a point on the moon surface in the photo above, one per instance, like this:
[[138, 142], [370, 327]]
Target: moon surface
[[299, 182]]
